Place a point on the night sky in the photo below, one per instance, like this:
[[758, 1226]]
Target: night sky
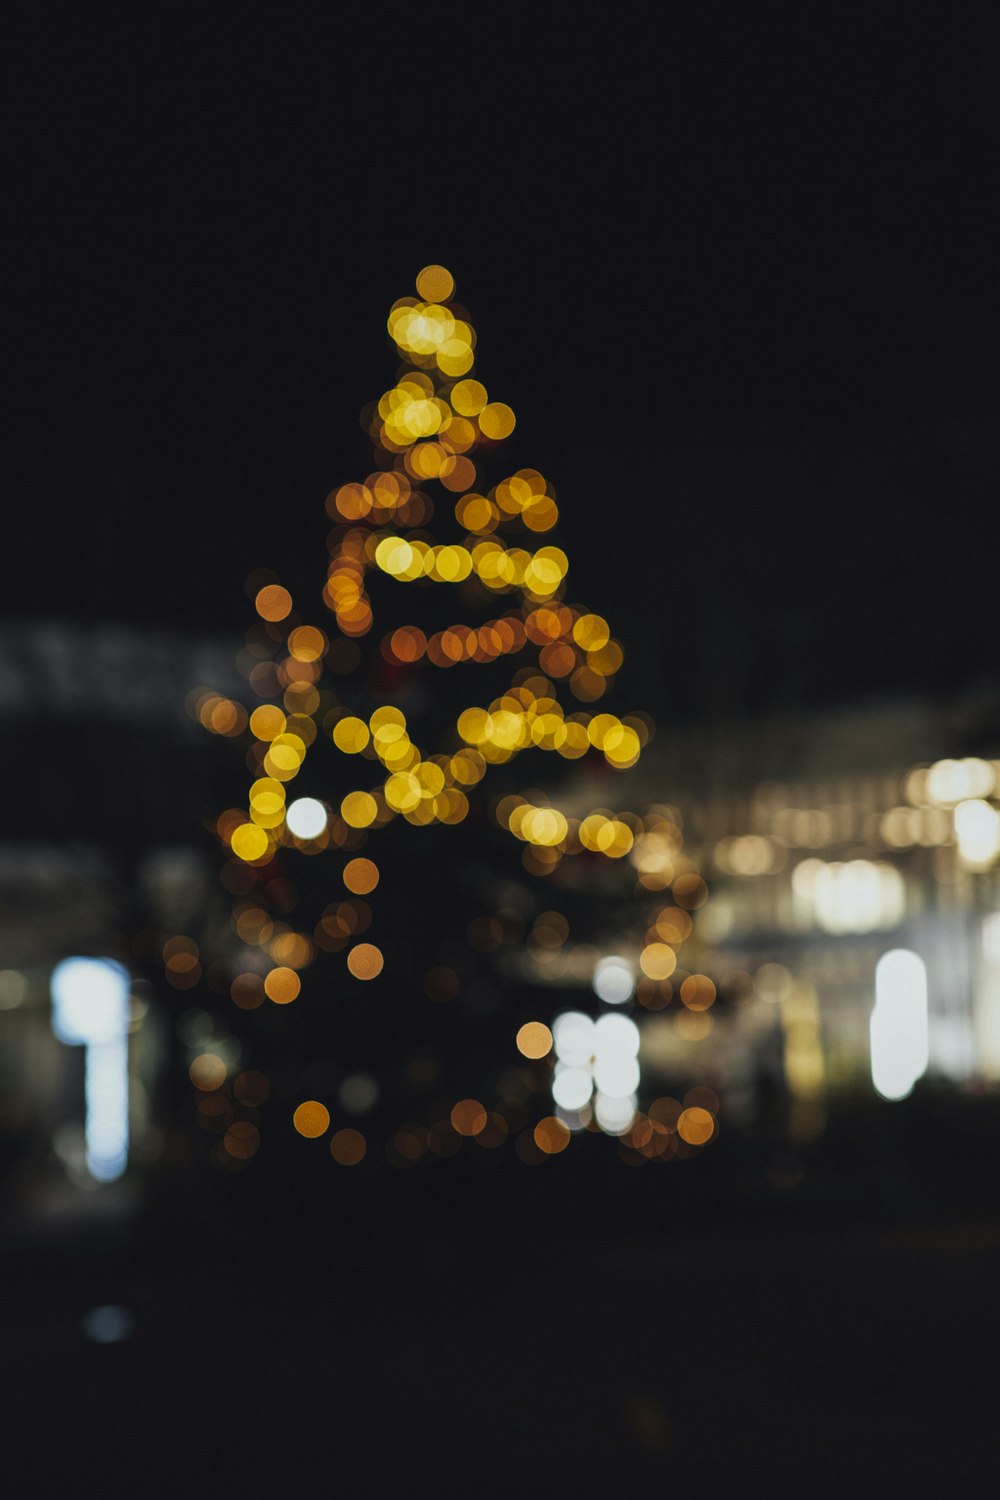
[[737, 279]]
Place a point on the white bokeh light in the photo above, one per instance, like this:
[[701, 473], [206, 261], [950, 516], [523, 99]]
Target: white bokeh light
[[573, 1038], [898, 1029], [91, 1009], [306, 818], [601, 1056], [617, 1076], [616, 1036], [614, 1115], [572, 1087], [613, 981]]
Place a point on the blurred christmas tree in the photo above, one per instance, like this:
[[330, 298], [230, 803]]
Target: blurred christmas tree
[[406, 915]]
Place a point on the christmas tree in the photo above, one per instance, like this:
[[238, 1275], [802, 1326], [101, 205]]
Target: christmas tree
[[407, 914]]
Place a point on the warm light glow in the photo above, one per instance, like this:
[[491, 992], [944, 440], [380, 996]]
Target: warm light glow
[[348, 1147], [534, 1039], [365, 961], [361, 876], [436, 431], [282, 985], [311, 1119]]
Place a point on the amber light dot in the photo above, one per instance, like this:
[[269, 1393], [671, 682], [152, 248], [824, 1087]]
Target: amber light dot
[[468, 1117], [534, 1039], [241, 1140], [696, 1126], [306, 643], [251, 1088], [658, 960], [311, 1119], [551, 1135], [361, 876], [208, 1072], [348, 1147], [698, 992], [273, 602], [690, 891], [365, 961], [435, 284], [282, 986], [267, 721], [247, 991]]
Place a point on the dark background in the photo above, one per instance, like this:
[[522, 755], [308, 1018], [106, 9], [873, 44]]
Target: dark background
[[735, 272], [736, 275]]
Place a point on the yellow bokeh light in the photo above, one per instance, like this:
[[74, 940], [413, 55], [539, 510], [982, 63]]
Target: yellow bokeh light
[[591, 632], [250, 842], [435, 284], [359, 809], [267, 722], [306, 643], [657, 961], [469, 397], [351, 735], [496, 421]]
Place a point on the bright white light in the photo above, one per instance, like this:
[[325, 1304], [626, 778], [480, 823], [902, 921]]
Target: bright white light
[[90, 1008], [614, 1115], [306, 818], [574, 1119], [617, 1077], [616, 1036], [977, 832], [613, 982], [858, 896], [573, 1038], [898, 1029], [572, 1087], [601, 1053], [951, 781]]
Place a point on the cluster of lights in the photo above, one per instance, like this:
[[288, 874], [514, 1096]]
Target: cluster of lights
[[430, 428]]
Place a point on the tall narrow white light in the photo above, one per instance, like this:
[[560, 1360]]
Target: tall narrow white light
[[899, 1040], [90, 1008], [988, 999]]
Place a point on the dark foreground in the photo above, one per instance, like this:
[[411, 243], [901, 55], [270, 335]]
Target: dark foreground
[[729, 1324]]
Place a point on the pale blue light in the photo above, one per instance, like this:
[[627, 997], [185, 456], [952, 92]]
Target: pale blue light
[[90, 1008]]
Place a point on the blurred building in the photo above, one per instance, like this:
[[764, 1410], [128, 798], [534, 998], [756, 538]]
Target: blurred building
[[833, 845], [853, 862]]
